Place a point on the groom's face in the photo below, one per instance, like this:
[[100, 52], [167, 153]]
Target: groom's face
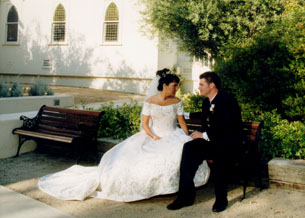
[[205, 88]]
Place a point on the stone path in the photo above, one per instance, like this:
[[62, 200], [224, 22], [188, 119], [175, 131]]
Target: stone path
[[20, 197], [15, 205]]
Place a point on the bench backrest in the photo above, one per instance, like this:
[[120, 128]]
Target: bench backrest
[[252, 130], [68, 122]]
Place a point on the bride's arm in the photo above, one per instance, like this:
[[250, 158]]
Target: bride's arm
[[182, 123], [145, 125]]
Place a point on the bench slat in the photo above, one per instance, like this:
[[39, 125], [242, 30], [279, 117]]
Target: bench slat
[[61, 132], [251, 138], [194, 121], [72, 111], [68, 116], [44, 136], [249, 128], [250, 125], [194, 128], [73, 122], [250, 132], [68, 126]]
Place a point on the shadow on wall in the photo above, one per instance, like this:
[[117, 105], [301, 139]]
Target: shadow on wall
[[75, 61]]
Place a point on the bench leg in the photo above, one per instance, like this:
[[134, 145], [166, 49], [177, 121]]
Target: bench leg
[[259, 176], [80, 149], [85, 148], [21, 141], [245, 186]]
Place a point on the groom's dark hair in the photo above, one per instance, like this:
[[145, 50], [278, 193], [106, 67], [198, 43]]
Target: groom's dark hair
[[211, 77], [167, 79]]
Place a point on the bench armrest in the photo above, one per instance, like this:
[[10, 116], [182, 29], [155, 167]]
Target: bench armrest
[[29, 123]]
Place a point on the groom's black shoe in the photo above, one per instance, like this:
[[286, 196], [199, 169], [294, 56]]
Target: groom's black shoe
[[220, 206], [179, 203]]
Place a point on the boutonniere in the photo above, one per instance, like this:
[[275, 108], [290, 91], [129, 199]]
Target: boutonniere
[[212, 108]]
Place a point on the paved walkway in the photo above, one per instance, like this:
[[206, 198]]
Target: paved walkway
[[89, 96], [21, 175], [15, 205]]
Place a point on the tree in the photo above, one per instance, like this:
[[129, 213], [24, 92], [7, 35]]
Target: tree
[[269, 73], [208, 26]]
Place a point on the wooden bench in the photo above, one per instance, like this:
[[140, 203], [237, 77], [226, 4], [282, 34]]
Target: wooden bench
[[61, 125], [249, 161]]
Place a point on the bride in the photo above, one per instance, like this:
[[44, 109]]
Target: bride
[[144, 165]]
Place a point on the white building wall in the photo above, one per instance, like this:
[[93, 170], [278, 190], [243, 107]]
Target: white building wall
[[83, 60]]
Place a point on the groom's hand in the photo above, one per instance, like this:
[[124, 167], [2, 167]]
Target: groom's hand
[[196, 135]]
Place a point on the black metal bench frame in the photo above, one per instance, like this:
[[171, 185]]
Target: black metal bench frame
[[62, 125]]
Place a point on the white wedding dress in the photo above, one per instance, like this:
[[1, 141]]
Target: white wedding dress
[[135, 169]]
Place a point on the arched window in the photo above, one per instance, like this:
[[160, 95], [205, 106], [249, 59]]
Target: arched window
[[12, 25], [111, 24], [59, 24]]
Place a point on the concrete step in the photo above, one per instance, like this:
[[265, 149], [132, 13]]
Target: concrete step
[[288, 174]]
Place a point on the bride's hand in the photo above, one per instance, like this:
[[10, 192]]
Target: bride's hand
[[196, 135], [156, 138]]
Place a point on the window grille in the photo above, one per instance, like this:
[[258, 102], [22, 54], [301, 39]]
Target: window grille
[[59, 24], [46, 64], [111, 25], [12, 25]]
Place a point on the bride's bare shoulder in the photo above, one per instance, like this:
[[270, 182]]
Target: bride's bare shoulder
[[152, 99], [175, 100]]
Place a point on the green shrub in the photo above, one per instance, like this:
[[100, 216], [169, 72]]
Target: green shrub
[[50, 92], [259, 74], [120, 122], [38, 89], [291, 137], [192, 102], [269, 148], [281, 138], [16, 90], [4, 90]]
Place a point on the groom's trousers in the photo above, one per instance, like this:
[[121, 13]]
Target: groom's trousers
[[194, 152]]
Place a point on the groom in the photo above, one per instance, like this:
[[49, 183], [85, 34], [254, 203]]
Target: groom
[[219, 141]]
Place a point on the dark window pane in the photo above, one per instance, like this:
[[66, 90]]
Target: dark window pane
[[59, 32], [112, 13], [60, 14], [12, 32], [12, 15], [111, 32]]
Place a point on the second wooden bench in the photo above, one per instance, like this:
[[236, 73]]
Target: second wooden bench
[[250, 156]]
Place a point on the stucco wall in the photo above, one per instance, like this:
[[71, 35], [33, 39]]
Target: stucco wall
[[83, 56], [9, 142]]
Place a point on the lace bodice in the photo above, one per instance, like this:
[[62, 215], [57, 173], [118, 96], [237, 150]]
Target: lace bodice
[[163, 118]]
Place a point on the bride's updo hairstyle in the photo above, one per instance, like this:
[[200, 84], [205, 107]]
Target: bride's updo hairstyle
[[167, 78], [163, 72]]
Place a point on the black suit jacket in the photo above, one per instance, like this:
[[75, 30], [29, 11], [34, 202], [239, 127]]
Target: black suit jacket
[[222, 123]]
